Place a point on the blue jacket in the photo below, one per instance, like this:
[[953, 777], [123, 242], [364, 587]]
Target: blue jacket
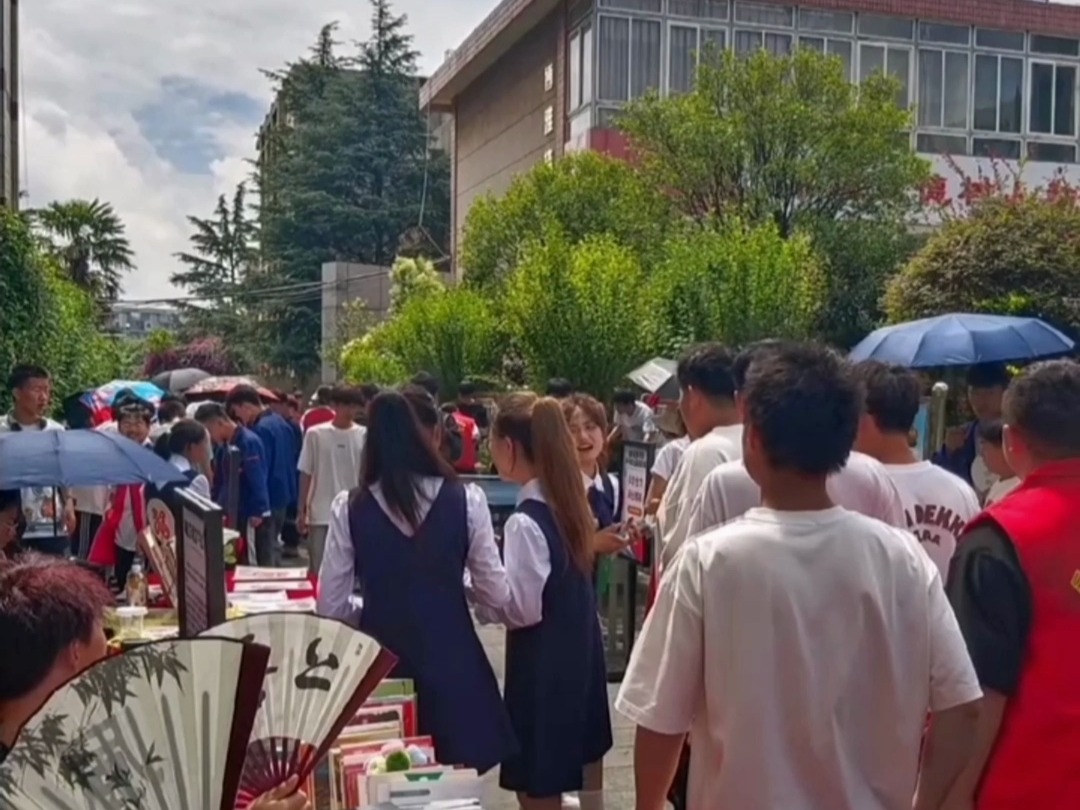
[[253, 498], [279, 439], [959, 462]]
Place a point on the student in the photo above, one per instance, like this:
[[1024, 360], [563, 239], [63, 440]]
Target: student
[[937, 503], [668, 456], [171, 409], [49, 511], [707, 404], [407, 534], [116, 544], [187, 447], [10, 522], [253, 502], [587, 420], [1014, 591], [986, 386], [992, 451], [329, 464], [320, 410], [559, 388], [633, 420], [801, 645], [245, 405], [556, 681], [469, 405]]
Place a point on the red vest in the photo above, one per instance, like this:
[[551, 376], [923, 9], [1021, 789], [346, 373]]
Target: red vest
[[1034, 764], [467, 463]]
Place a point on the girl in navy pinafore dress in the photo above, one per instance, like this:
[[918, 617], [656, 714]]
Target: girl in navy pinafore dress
[[556, 684], [415, 529]]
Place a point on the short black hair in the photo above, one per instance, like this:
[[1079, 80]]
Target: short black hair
[[23, 373], [1043, 403], [322, 395], [369, 391], [347, 395], [988, 375], [892, 395], [624, 396], [243, 395], [559, 387], [805, 404], [171, 408], [427, 382], [467, 389], [10, 498], [741, 364], [992, 431], [210, 411], [708, 368]]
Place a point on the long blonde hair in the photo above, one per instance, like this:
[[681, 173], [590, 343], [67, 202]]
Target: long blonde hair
[[538, 427]]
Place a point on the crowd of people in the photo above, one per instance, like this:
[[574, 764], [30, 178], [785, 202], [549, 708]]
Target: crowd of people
[[839, 624]]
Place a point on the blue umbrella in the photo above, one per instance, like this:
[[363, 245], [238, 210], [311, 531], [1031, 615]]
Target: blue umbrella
[[962, 340], [79, 458]]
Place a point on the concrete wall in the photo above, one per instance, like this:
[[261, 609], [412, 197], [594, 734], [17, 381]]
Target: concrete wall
[[344, 283], [499, 119]]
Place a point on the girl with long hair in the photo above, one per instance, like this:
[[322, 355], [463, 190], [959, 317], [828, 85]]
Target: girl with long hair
[[587, 420], [556, 682], [186, 445], [406, 535]]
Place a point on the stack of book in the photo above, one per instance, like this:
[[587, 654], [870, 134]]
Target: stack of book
[[358, 775]]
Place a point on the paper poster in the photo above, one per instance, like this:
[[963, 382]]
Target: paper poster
[[637, 458]]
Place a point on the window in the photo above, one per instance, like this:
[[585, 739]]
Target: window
[[1053, 99], [746, 42], [651, 6], [587, 65], [945, 34], [682, 61], [580, 58], [875, 25], [943, 89], [1051, 152], [999, 40], [549, 156], [712, 39], [999, 89], [765, 14], [549, 120], [574, 77], [1054, 46], [892, 60], [549, 77], [839, 22], [614, 58], [645, 47], [778, 44], [995, 148], [932, 144], [699, 9], [834, 47]]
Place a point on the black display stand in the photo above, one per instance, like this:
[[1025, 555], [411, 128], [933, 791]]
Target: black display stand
[[200, 564]]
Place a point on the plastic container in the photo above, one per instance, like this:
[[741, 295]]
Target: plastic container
[[132, 620]]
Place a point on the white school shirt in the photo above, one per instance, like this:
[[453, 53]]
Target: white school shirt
[[337, 573], [1001, 489], [668, 456], [801, 651], [636, 426], [700, 458], [938, 505], [200, 485], [863, 486], [332, 457]]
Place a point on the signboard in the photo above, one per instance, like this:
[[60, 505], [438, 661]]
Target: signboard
[[200, 565], [158, 544], [637, 461]]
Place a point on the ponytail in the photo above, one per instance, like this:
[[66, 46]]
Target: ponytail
[[539, 427]]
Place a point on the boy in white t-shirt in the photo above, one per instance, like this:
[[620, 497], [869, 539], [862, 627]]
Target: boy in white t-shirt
[[801, 645], [992, 451], [938, 503]]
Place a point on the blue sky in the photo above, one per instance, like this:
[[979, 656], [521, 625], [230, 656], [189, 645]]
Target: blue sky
[[154, 105]]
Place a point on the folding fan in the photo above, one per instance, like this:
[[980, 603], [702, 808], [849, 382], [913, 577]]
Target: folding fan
[[161, 727], [321, 671]]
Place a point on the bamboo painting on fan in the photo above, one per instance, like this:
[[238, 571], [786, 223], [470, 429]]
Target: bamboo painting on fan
[[162, 726], [321, 671]]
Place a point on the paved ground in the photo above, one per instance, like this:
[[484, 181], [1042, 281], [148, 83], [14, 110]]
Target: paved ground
[[618, 765]]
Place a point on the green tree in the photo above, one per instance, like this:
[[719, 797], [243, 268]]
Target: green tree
[[353, 173], [737, 284], [580, 196], [576, 311], [788, 139], [25, 300], [412, 278], [89, 240], [224, 252]]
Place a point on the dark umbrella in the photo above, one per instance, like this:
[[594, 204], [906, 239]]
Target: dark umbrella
[[962, 340], [179, 380], [79, 458]]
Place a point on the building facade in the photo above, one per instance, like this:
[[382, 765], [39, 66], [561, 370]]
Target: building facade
[[9, 103], [139, 321], [540, 78]]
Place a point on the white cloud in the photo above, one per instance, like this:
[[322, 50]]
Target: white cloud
[[93, 68]]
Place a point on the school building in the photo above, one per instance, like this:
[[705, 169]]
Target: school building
[[541, 78]]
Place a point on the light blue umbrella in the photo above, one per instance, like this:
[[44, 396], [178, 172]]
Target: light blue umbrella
[[962, 340], [79, 458]]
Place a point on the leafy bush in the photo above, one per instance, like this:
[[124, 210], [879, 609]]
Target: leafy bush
[[208, 353]]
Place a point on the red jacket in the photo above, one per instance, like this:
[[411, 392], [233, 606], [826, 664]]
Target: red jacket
[[467, 462], [103, 546], [1034, 761], [318, 415]]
